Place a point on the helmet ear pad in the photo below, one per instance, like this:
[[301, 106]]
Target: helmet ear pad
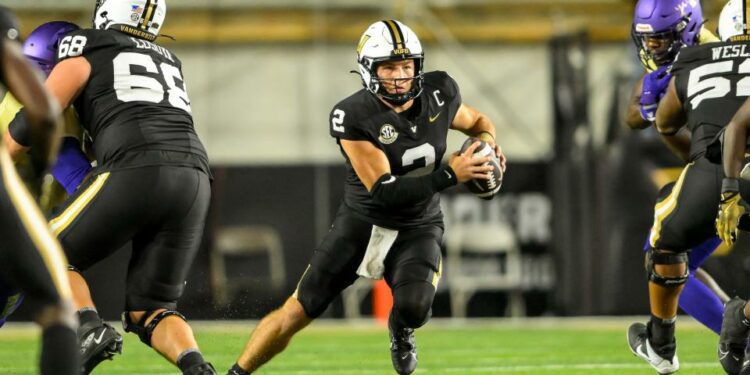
[[368, 73]]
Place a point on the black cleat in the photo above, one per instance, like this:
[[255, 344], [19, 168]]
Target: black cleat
[[237, 370], [201, 369], [733, 338], [98, 341], [403, 350], [641, 347]]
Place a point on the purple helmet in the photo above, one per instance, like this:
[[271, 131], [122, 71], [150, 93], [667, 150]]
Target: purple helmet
[[41, 45], [676, 23]]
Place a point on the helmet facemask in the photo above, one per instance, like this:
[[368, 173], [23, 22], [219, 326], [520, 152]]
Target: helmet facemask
[[94, 15], [671, 41], [376, 84]]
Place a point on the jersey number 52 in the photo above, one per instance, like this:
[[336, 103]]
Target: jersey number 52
[[704, 84]]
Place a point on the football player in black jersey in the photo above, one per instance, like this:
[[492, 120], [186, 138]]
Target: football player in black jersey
[[733, 23], [392, 135], [30, 258], [660, 29], [706, 89], [152, 183]]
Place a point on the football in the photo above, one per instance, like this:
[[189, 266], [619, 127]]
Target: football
[[485, 189]]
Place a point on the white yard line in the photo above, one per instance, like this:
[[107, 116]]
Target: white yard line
[[572, 366], [687, 366]]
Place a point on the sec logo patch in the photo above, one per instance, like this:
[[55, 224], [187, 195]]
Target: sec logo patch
[[388, 134]]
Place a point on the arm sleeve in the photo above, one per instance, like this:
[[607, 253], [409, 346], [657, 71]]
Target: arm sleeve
[[392, 191]]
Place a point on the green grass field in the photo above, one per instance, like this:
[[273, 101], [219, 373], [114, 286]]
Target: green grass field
[[533, 346]]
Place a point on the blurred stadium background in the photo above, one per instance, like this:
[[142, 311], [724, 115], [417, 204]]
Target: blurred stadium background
[[562, 239]]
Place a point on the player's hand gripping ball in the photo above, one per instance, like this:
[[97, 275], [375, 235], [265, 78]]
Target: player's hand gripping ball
[[485, 188]]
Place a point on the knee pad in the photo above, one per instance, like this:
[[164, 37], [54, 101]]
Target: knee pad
[[654, 257], [315, 291], [144, 331], [413, 303]]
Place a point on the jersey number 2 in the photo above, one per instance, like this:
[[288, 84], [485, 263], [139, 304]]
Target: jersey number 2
[[132, 87]]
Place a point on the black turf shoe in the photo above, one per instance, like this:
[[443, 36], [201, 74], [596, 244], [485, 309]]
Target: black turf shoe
[[98, 341], [201, 369], [641, 347], [403, 350], [733, 337]]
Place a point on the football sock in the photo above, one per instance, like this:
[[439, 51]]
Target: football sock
[[701, 303], [662, 335], [237, 370], [700, 253], [59, 351], [189, 358], [87, 315]]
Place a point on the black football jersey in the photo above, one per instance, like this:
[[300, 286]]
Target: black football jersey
[[135, 105], [712, 82], [414, 142]]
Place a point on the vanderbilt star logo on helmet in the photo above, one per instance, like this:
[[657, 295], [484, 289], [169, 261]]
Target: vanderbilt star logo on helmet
[[140, 18], [733, 21], [388, 134]]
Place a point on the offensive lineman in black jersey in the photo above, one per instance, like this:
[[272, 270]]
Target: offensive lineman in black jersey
[[393, 137], [152, 184], [707, 88], [30, 258]]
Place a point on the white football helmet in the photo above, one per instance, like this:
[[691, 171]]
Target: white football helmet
[[389, 40], [732, 20], [140, 18]]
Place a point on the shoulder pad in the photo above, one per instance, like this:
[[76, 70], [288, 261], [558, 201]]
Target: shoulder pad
[[442, 81], [345, 116], [690, 55]]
